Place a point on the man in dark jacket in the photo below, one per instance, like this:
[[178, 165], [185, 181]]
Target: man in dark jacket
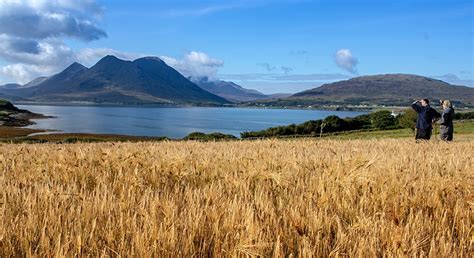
[[426, 116]]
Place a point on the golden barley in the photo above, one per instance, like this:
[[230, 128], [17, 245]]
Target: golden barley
[[269, 198]]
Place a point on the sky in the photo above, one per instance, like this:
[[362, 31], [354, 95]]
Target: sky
[[272, 46]]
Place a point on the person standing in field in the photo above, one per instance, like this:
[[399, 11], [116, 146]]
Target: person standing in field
[[426, 116], [446, 122]]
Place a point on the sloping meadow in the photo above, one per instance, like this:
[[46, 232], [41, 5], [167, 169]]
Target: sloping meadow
[[269, 198]]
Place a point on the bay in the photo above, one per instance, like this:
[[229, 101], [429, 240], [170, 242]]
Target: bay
[[170, 122]]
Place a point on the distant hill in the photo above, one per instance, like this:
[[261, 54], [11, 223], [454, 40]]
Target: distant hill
[[143, 81], [35, 82], [387, 89], [228, 90]]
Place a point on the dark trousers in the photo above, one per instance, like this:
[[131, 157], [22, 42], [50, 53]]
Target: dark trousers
[[423, 134]]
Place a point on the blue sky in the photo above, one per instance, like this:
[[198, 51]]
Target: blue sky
[[284, 45]]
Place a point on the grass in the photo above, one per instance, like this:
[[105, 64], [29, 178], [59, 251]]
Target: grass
[[303, 197], [464, 129], [83, 137], [20, 135]]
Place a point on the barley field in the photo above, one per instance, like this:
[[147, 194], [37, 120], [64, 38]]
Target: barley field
[[275, 198]]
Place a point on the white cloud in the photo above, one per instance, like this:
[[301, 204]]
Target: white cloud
[[32, 34], [345, 60], [47, 51], [35, 59], [19, 71], [195, 64]]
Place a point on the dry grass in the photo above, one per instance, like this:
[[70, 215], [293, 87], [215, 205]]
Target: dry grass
[[11, 132], [271, 198]]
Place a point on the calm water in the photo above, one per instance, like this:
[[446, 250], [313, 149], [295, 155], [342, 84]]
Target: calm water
[[170, 122]]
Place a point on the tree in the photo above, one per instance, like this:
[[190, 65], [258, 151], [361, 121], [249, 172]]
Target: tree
[[407, 119], [383, 120], [359, 122], [334, 124], [464, 115]]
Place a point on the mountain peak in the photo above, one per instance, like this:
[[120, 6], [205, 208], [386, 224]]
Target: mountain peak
[[109, 59], [75, 67], [109, 63], [78, 65]]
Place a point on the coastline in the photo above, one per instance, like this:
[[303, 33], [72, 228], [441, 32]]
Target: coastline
[[18, 131], [464, 130], [236, 105], [361, 108]]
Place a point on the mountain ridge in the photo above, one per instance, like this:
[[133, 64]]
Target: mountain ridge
[[113, 80], [386, 89]]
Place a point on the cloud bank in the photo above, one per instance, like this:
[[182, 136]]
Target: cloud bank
[[38, 19], [32, 34]]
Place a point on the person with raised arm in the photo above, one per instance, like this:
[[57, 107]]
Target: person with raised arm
[[426, 116]]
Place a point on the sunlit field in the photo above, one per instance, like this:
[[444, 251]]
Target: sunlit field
[[271, 198]]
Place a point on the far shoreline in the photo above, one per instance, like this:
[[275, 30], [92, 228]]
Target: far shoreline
[[238, 105], [351, 108]]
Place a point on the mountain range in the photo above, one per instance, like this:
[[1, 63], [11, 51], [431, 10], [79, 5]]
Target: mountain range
[[146, 80], [149, 80]]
